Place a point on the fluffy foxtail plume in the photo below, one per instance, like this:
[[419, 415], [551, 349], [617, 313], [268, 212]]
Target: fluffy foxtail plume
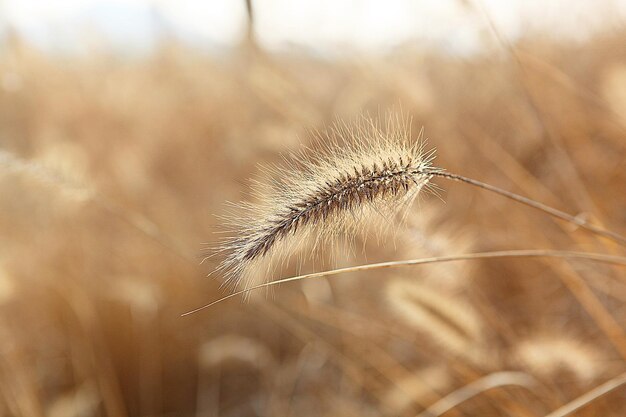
[[351, 175]]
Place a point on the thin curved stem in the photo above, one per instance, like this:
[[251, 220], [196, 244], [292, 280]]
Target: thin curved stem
[[523, 253], [536, 205], [588, 397]]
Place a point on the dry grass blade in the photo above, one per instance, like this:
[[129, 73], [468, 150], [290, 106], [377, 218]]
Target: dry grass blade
[[497, 379], [553, 354], [588, 397], [450, 322], [537, 205], [523, 253]]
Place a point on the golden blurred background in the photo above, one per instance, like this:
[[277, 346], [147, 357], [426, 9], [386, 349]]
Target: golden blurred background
[[114, 165]]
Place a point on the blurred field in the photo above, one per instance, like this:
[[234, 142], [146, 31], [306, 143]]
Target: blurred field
[[111, 171]]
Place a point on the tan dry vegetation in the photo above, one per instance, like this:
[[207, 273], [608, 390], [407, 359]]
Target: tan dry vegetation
[[111, 171]]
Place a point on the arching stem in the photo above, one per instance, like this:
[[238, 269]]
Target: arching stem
[[615, 237]]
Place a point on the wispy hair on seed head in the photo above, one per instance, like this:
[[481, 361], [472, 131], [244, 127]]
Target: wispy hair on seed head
[[354, 174]]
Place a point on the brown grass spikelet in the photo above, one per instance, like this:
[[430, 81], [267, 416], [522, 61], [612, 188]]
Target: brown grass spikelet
[[558, 355], [350, 176], [450, 322]]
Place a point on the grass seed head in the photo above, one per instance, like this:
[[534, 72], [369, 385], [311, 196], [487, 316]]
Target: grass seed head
[[351, 176]]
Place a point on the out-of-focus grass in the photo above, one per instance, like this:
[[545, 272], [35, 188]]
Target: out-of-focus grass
[[111, 171]]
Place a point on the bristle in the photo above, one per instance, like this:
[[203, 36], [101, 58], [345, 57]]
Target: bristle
[[353, 174]]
